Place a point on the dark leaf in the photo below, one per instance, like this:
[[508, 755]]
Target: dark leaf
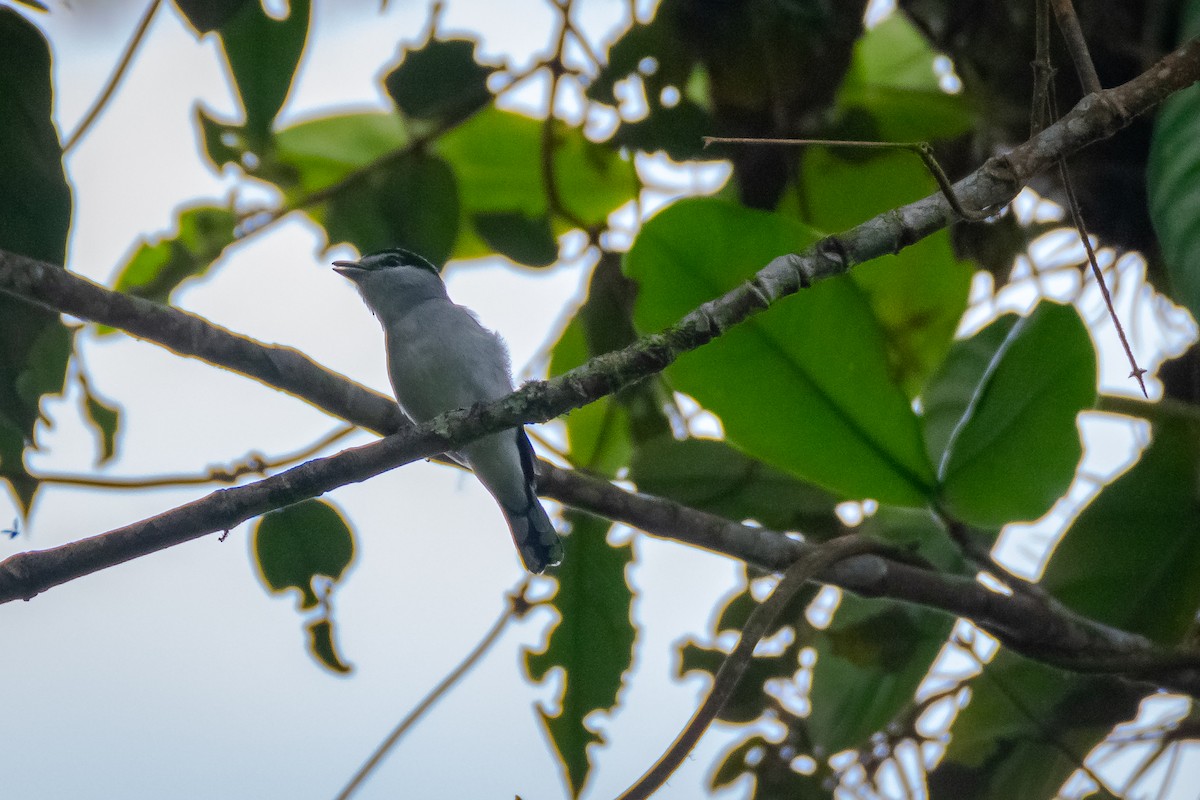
[[323, 647], [35, 214], [677, 130], [592, 643], [263, 54], [1131, 559], [106, 419], [411, 202], [870, 661], [526, 240], [441, 82], [294, 545], [208, 15], [1174, 192]]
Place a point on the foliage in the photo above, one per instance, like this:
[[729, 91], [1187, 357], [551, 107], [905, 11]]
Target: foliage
[[859, 393]]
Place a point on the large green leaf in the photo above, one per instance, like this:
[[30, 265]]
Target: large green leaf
[[316, 154], [156, 269], [870, 661], [892, 79], [714, 476], [919, 294], [592, 643], [263, 54], [35, 214], [1132, 558], [1173, 183], [496, 156], [805, 386], [1000, 416]]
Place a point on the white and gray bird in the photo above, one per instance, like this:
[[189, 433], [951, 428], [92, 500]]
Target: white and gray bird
[[440, 358]]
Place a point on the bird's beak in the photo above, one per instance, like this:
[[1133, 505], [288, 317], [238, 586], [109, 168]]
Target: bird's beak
[[346, 269]]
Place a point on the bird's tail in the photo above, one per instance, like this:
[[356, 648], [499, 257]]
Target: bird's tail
[[534, 535]]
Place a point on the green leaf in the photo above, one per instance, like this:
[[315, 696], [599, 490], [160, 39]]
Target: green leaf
[[441, 82], [323, 647], [295, 544], [892, 79], [1172, 168], [1144, 524], [410, 202], [35, 215], [676, 130], [156, 269], [1025, 729], [919, 294], [105, 418], [496, 156], [526, 240], [598, 433], [714, 476], [592, 643], [1000, 416], [263, 54], [805, 386], [316, 154], [870, 661]]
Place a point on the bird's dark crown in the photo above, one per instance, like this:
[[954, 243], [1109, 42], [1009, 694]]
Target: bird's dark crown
[[395, 257]]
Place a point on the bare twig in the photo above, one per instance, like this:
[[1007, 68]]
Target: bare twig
[[1068, 23], [516, 607], [548, 144], [922, 149], [807, 567], [251, 464], [1043, 69], [114, 79]]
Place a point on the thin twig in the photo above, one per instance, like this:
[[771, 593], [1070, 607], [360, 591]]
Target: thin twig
[[1043, 69], [1072, 33], [548, 144], [922, 149], [805, 568], [1135, 371], [517, 607], [118, 73], [252, 464]]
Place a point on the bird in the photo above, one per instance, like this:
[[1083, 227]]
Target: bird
[[441, 358]]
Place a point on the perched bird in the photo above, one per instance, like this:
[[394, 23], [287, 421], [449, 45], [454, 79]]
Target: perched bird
[[440, 358]]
